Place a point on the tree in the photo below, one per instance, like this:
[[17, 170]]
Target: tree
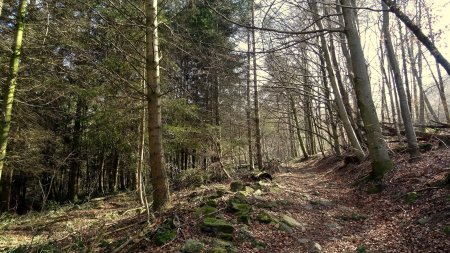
[[381, 162], [9, 88], [343, 114], [419, 34], [404, 107], [158, 173]]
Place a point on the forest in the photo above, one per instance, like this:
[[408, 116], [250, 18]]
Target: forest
[[224, 126]]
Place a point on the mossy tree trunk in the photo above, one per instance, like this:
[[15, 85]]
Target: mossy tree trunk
[[159, 182], [9, 87], [381, 162]]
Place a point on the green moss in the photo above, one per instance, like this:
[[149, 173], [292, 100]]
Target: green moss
[[206, 210], [192, 246], [379, 168], [446, 230], [411, 197], [217, 227], [237, 186], [264, 217], [163, 236]]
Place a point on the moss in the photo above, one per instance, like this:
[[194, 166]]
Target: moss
[[192, 246], [379, 168], [411, 197], [264, 217], [217, 227], [164, 235], [237, 186], [446, 230]]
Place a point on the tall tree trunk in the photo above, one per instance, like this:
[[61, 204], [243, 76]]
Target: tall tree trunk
[[381, 162], [255, 94], [328, 106], [9, 87], [140, 162], [249, 105], [337, 93], [405, 68], [419, 34], [297, 128], [1, 7], [159, 182], [5, 193], [404, 107], [72, 193]]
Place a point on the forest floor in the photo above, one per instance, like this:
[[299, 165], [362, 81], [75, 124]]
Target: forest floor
[[312, 206]]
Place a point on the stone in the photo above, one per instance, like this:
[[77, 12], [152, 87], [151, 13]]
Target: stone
[[321, 202], [220, 246], [424, 220], [217, 227], [315, 248], [293, 222], [206, 210], [236, 186], [192, 246], [303, 241], [334, 226], [264, 217], [258, 193], [285, 227], [164, 235]]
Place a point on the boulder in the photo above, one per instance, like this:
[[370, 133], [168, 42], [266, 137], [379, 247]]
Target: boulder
[[264, 217], [217, 227], [236, 186], [315, 247], [192, 246]]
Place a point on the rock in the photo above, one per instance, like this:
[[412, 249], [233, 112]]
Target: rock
[[164, 235], [237, 186], [321, 202], [206, 210], [217, 227], [353, 217], [258, 193], [424, 220], [220, 246], [305, 196], [315, 247], [334, 226], [291, 221], [315, 193], [264, 217], [285, 227], [411, 197], [303, 241], [192, 246], [247, 191], [308, 207], [261, 176], [218, 194]]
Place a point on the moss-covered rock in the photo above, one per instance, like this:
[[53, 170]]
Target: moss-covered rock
[[217, 227], [220, 246], [192, 246], [264, 217], [206, 210], [164, 235], [237, 186]]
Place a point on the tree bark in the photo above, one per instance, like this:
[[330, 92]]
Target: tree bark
[[404, 107], [159, 182], [381, 162], [255, 94], [297, 127], [9, 87], [249, 105], [419, 34]]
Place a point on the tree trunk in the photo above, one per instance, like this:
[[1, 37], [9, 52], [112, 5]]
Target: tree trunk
[[381, 163], [72, 193], [248, 106], [157, 169], [337, 94], [419, 34], [404, 107], [297, 127], [9, 87], [255, 94], [405, 68]]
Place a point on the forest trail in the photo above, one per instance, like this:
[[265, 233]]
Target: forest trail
[[314, 206]]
